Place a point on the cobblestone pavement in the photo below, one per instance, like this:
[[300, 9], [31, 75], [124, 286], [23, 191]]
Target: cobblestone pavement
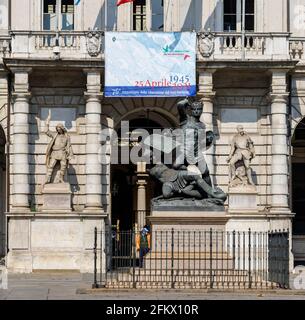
[[77, 287]]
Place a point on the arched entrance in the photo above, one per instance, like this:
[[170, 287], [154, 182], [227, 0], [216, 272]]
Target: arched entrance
[[2, 193], [298, 192], [131, 187]]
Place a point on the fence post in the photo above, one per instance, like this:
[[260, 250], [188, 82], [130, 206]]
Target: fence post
[[234, 245], [211, 258], [287, 259], [134, 250], [249, 259], [172, 261], [95, 285]]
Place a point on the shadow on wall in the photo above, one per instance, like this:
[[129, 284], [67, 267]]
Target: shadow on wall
[[192, 20], [75, 188], [193, 17], [101, 20], [210, 23]]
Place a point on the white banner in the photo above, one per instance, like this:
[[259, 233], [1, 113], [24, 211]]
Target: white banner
[[150, 64]]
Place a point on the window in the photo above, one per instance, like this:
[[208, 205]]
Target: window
[[232, 17], [139, 15], [49, 15], [157, 9], [66, 16], [249, 25]]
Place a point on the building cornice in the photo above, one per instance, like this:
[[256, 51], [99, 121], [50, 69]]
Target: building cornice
[[12, 63], [248, 64]]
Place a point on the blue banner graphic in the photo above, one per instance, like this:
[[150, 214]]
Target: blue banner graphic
[[150, 64]]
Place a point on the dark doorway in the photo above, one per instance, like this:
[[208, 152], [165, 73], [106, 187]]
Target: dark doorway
[[2, 193], [124, 182], [298, 179], [123, 179]]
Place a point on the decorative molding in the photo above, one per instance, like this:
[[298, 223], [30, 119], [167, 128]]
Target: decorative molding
[[94, 42], [206, 43]]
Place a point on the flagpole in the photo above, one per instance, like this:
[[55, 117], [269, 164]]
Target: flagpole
[[57, 22], [57, 14], [243, 37], [106, 14]]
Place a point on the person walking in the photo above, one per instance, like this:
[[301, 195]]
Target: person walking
[[143, 243]]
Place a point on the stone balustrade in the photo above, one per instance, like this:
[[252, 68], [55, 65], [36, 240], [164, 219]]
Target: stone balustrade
[[231, 46], [296, 48], [211, 46], [52, 44], [5, 46]]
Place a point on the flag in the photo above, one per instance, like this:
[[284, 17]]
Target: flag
[[123, 1]]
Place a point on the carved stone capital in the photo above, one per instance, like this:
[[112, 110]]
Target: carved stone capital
[[92, 96], [278, 97], [206, 96]]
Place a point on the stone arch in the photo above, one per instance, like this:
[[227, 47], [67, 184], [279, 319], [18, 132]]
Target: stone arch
[[298, 176], [160, 113], [2, 148], [160, 110], [297, 112]]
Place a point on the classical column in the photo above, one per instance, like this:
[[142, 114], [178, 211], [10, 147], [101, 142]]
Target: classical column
[[279, 166], [93, 97], [20, 149], [206, 95], [142, 177]]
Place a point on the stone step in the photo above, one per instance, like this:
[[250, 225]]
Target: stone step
[[186, 285], [187, 264], [204, 255]]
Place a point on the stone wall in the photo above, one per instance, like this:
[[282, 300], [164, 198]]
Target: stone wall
[[3, 101], [3, 134], [241, 100], [186, 15]]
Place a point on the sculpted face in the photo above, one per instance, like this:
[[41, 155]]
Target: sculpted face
[[240, 130], [197, 109], [60, 129]]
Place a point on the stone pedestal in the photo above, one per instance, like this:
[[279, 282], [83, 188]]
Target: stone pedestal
[[57, 197], [188, 232], [45, 241], [243, 199]]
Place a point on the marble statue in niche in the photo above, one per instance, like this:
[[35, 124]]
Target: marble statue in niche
[[59, 151], [240, 157]]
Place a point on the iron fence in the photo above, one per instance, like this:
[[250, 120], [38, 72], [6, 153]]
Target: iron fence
[[198, 259]]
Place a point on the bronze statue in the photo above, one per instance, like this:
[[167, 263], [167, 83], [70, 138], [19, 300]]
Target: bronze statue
[[195, 138], [241, 154], [189, 177], [59, 150], [184, 183]]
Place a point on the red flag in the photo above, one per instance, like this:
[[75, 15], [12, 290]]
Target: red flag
[[123, 1]]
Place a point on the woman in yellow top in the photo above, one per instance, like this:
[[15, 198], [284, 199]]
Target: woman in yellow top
[[143, 243]]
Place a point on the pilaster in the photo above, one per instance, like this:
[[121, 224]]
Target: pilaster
[[93, 97], [279, 167], [20, 149]]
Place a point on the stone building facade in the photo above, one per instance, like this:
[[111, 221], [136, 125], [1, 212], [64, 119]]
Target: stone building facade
[[47, 63]]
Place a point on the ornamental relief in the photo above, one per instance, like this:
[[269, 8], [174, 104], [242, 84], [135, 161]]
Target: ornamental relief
[[206, 44], [94, 43]]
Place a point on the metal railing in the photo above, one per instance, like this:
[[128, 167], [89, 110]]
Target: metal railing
[[192, 259]]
